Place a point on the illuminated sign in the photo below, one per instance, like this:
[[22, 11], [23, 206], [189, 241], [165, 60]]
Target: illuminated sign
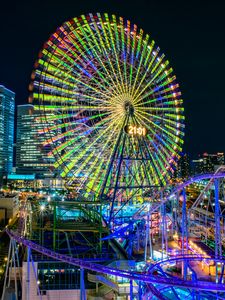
[[135, 130], [21, 177]]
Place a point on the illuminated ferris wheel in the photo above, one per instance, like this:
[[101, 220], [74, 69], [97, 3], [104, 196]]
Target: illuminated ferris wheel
[[111, 107]]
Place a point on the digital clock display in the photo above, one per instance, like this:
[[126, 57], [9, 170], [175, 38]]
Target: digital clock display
[[135, 130]]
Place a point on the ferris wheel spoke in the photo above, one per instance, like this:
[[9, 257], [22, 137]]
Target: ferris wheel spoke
[[51, 118], [52, 98], [90, 146], [175, 125], [170, 135], [161, 109], [115, 48], [140, 65], [64, 145], [168, 99], [124, 53], [89, 61], [90, 41], [74, 76], [121, 85], [167, 72], [76, 65], [73, 108], [69, 133], [108, 56], [79, 124], [132, 60], [100, 167], [58, 137], [159, 89], [157, 160], [144, 152], [164, 144], [53, 82], [150, 63], [140, 62], [153, 162]]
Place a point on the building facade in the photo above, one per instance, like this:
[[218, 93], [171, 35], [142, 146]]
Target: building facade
[[32, 155], [212, 161], [7, 111], [207, 163]]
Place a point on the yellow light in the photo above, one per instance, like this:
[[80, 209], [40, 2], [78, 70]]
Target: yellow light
[[134, 130]]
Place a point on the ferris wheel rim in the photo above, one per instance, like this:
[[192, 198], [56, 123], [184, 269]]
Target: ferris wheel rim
[[145, 112]]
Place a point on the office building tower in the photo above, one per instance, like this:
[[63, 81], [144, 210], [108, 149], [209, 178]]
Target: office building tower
[[183, 166], [212, 161], [197, 166], [7, 110], [32, 155], [220, 158]]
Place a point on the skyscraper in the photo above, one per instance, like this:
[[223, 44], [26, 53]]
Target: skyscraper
[[31, 153], [212, 161], [207, 163], [7, 110], [183, 166], [197, 166]]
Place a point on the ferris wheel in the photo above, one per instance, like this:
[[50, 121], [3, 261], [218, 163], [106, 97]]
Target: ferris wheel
[[111, 108]]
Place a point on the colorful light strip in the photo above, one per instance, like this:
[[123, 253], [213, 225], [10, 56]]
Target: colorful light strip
[[86, 73]]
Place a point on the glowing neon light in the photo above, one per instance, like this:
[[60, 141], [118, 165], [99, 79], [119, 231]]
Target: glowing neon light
[[86, 73]]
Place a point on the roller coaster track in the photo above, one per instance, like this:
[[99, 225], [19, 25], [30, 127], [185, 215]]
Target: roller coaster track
[[188, 258], [181, 186], [152, 279], [155, 206], [195, 204]]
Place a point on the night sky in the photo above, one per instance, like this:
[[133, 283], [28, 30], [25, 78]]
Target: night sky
[[190, 33]]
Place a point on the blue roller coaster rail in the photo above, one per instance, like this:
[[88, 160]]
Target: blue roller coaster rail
[[152, 281]]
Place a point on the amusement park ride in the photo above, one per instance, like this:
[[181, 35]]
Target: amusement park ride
[[112, 113]]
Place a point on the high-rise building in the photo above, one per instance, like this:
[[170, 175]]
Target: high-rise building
[[197, 166], [207, 163], [7, 110], [183, 166], [212, 161], [32, 156], [220, 158]]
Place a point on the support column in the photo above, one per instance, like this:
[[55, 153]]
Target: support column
[[218, 249], [14, 268], [35, 276], [131, 238], [54, 225], [139, 290], [100, 228], [131, 290], [82, 285], [184, 233], [28, 275], [164, 228], [6, 270], [150, 240], [147, 235]]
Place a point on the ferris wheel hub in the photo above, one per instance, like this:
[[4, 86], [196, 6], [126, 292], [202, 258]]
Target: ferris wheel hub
[[129, 108]]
